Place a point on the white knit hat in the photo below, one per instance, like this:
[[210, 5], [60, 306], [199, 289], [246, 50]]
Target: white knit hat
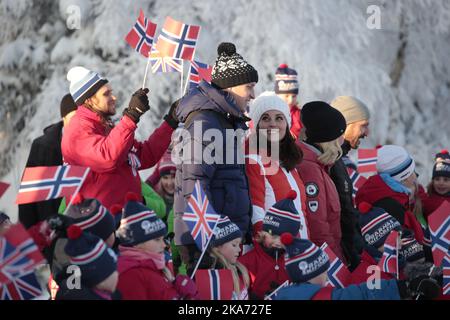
[[84, 83], [267, 101], [395, 161]]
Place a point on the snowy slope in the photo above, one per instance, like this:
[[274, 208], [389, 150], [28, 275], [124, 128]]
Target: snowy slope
[[401, 70]]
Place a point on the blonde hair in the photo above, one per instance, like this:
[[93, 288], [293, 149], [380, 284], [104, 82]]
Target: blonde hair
[[236, 269], [332, 151]]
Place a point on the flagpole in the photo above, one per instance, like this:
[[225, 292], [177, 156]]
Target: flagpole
[[203, 252], [76, 191], [187, 78], [181, 78], [146, 71]]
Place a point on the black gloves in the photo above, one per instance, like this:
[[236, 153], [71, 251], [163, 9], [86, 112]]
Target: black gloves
[[423, 287], [138, 105], [171, 116]]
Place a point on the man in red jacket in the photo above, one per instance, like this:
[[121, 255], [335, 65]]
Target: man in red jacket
[[112, 153]]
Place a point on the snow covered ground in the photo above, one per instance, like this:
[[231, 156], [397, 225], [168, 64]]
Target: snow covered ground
[[401, 70]]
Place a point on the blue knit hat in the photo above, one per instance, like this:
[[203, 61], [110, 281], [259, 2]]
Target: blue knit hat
[[411, 250], [91, 254], [84, 83], [286, 80], [225, 231], [283, 217], [139, 224], [303, 260], [376, 224], [91, 216]]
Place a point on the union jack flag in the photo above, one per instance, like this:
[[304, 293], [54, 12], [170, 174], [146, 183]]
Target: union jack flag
[[3, 187], [439, 224], [177, 39], [389, 261], [446, 274], [357, 181], [24, 287], [45, 183], [142, 35], [199, 71], [164, 64], [18, 254], [200, 217], [214, 284], [367, 160], [274, 293], [338, 274]]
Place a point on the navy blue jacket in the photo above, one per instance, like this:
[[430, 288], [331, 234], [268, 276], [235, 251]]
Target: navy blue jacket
[[306, 291], [224, 182]]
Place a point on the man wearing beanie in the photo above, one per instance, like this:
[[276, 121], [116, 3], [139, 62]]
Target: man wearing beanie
[[220, 106], [324, 127], [111, 152], [357, 117], [46, 151], [287, 88]]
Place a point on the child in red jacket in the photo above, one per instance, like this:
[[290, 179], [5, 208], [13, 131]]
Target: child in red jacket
[[439, 187], [143, 272], [265, 261]]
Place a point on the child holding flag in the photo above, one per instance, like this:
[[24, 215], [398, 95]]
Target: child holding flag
[[144, 274]]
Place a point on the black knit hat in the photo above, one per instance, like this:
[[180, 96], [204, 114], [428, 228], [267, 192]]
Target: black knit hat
[[323, 123], [441, 169], [230, 69], [67, 105]]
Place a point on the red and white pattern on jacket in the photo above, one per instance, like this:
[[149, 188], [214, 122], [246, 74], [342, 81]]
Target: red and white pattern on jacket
[[267, 189]]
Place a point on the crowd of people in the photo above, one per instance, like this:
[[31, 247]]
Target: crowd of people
[[290, 195]]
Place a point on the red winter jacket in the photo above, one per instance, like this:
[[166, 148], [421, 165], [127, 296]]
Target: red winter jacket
[[375, 189], [88, 142], [430, 202], [360, 275], [140, 279], [296, 125], [262, 270], [322, 201]]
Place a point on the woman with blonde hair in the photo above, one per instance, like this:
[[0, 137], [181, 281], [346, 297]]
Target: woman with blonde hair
[[324, 127]]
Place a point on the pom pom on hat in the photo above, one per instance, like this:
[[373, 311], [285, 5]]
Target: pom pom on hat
[[287, 238], [283, 66], [291, 195], [74, 232], [116, 209], [444, 151], [226, 48], [131, 196], [364, 207]]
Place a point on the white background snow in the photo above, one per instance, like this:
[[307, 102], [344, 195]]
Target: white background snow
[[400, 70]]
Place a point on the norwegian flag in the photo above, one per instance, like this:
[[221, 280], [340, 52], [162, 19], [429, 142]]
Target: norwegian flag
[[199, 71], [18, 254], [389, 261], [439, 224], [177, 39], [45, 183], [3, 187], [274, 293], [367, 160], [164, 64], [142, 35], [357, 181], [338, 274], [446, 275], [200, 217], [214, 284]]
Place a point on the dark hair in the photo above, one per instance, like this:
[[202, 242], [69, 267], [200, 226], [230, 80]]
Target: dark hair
[[290, 154]]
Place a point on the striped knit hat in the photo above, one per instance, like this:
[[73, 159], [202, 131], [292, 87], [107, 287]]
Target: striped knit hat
[[395, 161], [286, 80], [303, 260], [90, 253], [91, 216], [283, 217], [139, 224], [376, 224], [225, 231], [84, 83], [166, 165], [411, 249]]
